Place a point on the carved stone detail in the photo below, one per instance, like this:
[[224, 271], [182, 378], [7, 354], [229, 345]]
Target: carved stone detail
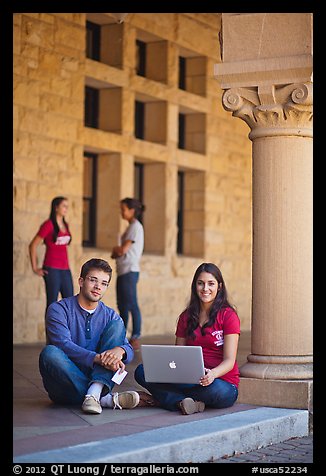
[[273, 110]]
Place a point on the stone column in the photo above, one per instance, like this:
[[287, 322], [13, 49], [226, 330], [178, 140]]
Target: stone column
[[274, 97]]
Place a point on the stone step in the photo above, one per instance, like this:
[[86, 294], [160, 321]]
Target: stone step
[[193, 442]]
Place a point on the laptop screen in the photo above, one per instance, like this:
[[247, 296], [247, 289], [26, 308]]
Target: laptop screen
[[172, 363]]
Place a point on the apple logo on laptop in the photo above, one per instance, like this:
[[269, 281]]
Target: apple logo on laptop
[[172, 365]]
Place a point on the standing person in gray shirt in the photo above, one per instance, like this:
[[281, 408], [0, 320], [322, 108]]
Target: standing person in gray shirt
[[127, 256]]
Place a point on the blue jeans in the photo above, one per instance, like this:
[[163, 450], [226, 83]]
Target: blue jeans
[[219, 394], [65, 381], [57, 281], [127, 301]]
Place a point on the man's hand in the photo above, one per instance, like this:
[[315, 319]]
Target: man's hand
[[112, 359]]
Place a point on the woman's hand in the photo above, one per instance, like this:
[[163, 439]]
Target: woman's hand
[[36, 241], [227, 364], [40, 271], [208, 378], [116, 252]]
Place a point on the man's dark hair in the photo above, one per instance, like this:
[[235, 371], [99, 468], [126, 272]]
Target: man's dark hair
[[95, 263]]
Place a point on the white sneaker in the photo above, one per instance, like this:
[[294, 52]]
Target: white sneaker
[[128, 399], [91, 405]]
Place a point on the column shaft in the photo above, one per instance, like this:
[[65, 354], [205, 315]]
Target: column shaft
[[282, 259]]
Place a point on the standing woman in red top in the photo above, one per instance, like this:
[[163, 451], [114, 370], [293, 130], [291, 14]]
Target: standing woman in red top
[[56, 236]]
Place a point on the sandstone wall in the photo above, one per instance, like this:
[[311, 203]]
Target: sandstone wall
[[50, 74]]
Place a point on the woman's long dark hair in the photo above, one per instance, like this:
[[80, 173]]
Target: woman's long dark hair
[[53, 217], [220, 302]]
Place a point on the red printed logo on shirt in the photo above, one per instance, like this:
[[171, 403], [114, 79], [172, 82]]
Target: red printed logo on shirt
[[219, 337]]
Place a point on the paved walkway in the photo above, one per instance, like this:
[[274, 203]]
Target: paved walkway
[[295, 450], [50, 433]]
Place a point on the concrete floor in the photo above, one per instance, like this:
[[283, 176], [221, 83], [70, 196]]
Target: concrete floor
[[41, 426]]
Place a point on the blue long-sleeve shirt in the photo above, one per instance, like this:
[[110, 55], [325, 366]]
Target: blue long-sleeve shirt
[[77, 332]]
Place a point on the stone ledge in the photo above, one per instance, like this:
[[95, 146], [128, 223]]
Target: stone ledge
[[196, 441], [276, 393]]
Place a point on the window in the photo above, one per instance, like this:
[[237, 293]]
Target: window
[[150, 119], [139, 119], [151, 57], [139, 184], [91, 107], [154, 198], [140, 58], [93, 40], [180, 212], [104, 40], [182, 72], [182, 131], [89, 199], [192, 131], [191, 213], [192, 72]]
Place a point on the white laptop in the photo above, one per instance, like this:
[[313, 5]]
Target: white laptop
[[172, 363]]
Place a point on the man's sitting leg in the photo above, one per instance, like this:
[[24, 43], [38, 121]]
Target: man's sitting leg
[[65, 383]]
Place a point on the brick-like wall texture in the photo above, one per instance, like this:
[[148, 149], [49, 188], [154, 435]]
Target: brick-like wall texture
[[50, 73]]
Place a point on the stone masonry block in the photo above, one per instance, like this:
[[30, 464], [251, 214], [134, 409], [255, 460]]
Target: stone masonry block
[[37, 32], [192, 35], [69, 34], [20, 195], [77, 18], [19, 251], [26, 168]]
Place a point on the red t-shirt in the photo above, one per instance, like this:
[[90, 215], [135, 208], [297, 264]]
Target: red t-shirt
[[227, 322], [56, 255]]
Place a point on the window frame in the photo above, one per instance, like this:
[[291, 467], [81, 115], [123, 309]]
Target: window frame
[[91, 200], [140, 120], [139, 184], [91, 107], [141, 58], [182, 72], [180, 211], [182, 131], [93, 40]]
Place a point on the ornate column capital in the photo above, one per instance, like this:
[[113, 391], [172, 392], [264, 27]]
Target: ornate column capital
[[273, 110]]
